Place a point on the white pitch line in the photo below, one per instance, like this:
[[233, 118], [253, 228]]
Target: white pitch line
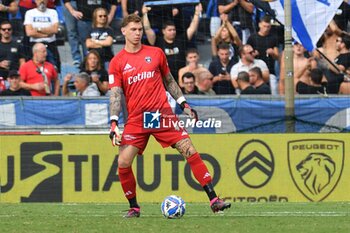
[[226, 214], [259, 215]]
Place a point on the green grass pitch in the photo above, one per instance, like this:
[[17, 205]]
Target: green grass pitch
[[242, 217]]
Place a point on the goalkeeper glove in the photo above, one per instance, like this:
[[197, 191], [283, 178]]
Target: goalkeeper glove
[[186, 108], [115, 135]]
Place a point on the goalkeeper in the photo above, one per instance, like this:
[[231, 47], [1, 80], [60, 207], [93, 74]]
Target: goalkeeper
[[142, 74]]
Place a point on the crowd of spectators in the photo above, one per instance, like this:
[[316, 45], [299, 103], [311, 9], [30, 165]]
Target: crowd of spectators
[[246, 48]]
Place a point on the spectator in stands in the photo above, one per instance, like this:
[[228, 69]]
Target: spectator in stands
[[345, 85], [205, 83], [342, 16], [342, 63], [173, 45], [256, 80], [11, 52], [317, 84], [132, 7], [193, 66], [92, 65], [100, 37], [327, 46], [157, 16], [227, 33], [24, 6], [247, 61], [7, 7], [189, 83], [3, 84], [220, 67], [265, 44], [344, 88], [14, 88], [343, 47], [301, 66], [72, 34], [83, 85], [83, 13], [244, 85], [215, 21], [37, 74], [239, 14], [41, 25]]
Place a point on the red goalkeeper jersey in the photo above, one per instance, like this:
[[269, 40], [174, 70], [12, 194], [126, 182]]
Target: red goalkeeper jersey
[[140, 75]]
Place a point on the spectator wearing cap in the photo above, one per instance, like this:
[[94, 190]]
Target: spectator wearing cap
[[14, 88], [11, 52], [83, 85], [38, 75]]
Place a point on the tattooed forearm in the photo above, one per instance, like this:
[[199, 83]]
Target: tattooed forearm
[[172, 86], [115, 103], [185, 147]]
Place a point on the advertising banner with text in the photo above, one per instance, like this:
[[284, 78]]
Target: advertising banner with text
[[219, 114], [244, 168]]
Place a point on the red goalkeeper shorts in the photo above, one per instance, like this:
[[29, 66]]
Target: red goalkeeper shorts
[[138, 137]]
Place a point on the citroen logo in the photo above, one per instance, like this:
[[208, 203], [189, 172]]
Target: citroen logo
[[255, 163]]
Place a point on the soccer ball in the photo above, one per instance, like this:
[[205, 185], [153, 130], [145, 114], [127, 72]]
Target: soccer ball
[[173, 207]]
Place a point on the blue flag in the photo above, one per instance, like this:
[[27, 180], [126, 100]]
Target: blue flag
[[310, 18], [170, 2]]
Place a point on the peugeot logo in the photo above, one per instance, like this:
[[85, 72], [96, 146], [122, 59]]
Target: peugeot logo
[[255, 163], [316, 166]]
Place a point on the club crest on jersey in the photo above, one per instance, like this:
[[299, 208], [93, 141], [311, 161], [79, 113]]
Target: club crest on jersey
[[148, 59]]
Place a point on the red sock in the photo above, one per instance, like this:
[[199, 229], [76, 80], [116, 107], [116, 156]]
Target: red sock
[[128, 182], [199, 169]]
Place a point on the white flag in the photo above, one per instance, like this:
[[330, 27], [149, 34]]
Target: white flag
[[310, 18]]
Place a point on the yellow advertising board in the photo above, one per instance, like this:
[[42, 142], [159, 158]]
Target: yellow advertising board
[[244, 167]]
